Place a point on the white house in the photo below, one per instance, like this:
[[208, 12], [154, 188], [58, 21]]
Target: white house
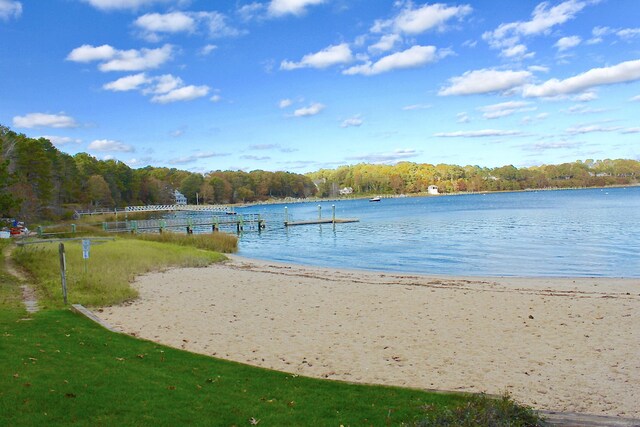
[[180, 198], [433, 189], [346, 190]]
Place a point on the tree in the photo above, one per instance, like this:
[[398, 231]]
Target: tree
[[99, 191]]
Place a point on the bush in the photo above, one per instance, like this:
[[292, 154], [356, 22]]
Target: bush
[[484, 411]]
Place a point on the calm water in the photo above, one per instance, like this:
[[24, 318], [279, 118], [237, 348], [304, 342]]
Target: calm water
[[549, 233]]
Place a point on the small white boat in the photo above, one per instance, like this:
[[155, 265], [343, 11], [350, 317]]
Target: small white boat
[[374, 199]]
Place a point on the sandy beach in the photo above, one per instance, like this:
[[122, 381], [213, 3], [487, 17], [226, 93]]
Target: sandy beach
[[553, 343]]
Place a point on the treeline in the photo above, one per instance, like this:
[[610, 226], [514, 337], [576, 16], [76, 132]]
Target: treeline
[[39, 181], [408, 178]]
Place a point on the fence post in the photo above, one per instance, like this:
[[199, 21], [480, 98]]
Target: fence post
[[63, 272]]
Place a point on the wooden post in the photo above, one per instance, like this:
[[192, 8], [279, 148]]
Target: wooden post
[[63, 271]]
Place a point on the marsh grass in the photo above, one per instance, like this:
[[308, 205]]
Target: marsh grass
[[110, 269], [217, 242]]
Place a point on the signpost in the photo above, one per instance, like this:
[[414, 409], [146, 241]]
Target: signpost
[[86, 246]]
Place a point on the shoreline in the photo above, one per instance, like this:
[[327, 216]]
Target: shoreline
[[564, 344]]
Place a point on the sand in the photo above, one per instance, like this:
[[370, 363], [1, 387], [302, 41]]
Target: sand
[[552, 343]]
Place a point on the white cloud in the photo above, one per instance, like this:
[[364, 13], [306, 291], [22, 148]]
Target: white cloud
[[89, 53], [583, 109], [554, 145], [585, 97], [293, 7], [385, 44], [537, 118], [122, 4], [184, 93], [566, 43], [462, 118], [172, 22], [635, 98], [122, 60], [579, 130], [10, 9], [504, 109], [477, 133], [127, 83], [390, 157], [415, 21], [485, 81], [413, 57], [332, 55], [355, 121], [538, 68], [252, 11], [518, 50], [36, 120], [284, 103], [61, 140], [620, 73], [138, 60], [215, 98], [543, 19], [630, 130], [311, 110], [110, 145], [628, 33], [206, 50]]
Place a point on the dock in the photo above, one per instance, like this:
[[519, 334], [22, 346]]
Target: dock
[[321, 221]]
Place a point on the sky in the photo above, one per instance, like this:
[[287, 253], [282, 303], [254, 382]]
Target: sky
[[301, 85]]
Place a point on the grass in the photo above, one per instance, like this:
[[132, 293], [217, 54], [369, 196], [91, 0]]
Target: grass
[[111, 267], [60, 368], [217, 242]]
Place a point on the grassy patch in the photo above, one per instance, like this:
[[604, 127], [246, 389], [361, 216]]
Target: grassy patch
[[60, 368], [109, 270], [217, 242]]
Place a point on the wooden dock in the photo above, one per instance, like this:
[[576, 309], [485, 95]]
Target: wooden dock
[[321, 221]]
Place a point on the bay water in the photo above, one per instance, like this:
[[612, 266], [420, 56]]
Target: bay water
[[564, 233]]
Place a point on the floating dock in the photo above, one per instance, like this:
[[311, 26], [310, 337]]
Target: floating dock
[[321, 221]]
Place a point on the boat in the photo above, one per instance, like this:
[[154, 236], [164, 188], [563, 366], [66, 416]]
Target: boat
[[374, 199]]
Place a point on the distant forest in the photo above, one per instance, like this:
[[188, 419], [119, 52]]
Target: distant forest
[[37, 181]]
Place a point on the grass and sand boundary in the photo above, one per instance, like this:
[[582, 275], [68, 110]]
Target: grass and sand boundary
[[60, 368]]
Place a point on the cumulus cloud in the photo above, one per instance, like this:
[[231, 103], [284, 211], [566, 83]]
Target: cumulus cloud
[[162, 89], [462, 118], [311, 110], [207, 49], [291, 7], [517, 51], [184, 93], [477, 133], [332, 55], [485, 81], [585, 97], [386, 43], [127, 83], [628, 33], [112, 59], [414, 21], [621, 73], [37, 120], [123, 4], [566, 43], [388, 157], [10, 9], [543, 19], [504, 109], [284, 103], [110, 145], [413, 57], [355, 121]]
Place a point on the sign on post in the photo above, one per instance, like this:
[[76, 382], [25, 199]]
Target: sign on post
[[86, 245]]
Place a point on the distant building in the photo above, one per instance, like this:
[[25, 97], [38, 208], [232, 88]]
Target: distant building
[[346, 190], [433, 189], [180, 198]]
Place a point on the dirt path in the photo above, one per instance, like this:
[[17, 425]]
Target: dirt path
[[29, 297]]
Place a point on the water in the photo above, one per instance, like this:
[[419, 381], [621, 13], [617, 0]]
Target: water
[[592, 232]]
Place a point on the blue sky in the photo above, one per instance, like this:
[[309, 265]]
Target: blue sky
[[300, 85]]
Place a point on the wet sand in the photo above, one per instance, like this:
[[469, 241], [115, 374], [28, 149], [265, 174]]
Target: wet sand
[[565, 344]]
